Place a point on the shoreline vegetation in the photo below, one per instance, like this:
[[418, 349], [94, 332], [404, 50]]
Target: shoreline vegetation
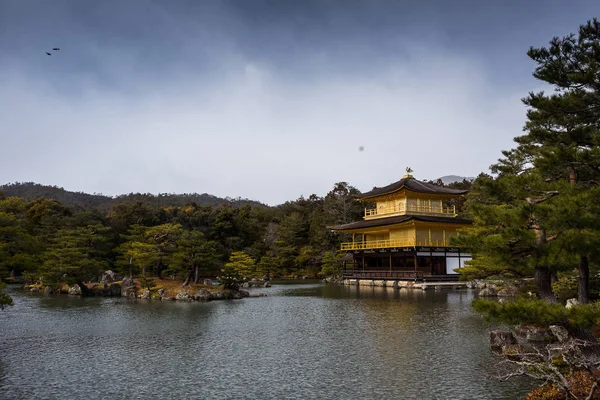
[[160, 289]]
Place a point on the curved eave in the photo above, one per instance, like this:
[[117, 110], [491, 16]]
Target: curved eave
[[375, 196], [397, 220]]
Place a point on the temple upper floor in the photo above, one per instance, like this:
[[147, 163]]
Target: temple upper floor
[[410, 206], [410, 196]]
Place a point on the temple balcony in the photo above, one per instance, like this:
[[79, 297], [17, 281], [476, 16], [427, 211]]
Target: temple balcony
[[391, 243], [410, 209]]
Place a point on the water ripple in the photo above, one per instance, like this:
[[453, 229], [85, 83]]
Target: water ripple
[[313, 342]]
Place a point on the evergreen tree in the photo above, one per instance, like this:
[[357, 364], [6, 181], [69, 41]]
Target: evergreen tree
[[196, 256], [240, 267], [135, 251], [340, 204], [292, 234], [20, 252], [268, 266], [76, 255], [563, 128], [510, 234], [163, 241], [331, 264]]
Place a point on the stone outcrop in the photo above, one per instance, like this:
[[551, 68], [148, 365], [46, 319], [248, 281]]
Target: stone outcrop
[[530, 333], [488, 291], [183, 296], [572, 303], [499, 339], [218, 296], [114, 289], [257, 283], [74, 291], [235, 295], [108, 277], [145, 294], [47, 291], [128, 288], [203, 295], [508, 291], [560, 333]]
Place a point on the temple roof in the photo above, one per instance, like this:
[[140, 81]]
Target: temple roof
[[413, 185], [369, 223]]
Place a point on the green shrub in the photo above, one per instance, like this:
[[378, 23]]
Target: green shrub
[[538, 312], [566, 287]]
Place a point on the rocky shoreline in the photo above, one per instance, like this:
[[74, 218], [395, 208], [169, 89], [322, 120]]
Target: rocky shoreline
[[163, 290]]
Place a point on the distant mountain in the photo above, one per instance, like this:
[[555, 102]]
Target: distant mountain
[[31, 191], [448, 179]]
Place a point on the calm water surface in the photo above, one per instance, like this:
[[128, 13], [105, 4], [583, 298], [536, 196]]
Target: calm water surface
[[302, 341]]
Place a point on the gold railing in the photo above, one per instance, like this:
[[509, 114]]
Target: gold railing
[[410, 209], [388, 243]]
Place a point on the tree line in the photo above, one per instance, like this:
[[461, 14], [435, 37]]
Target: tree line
[[45, 240], [33, 191]]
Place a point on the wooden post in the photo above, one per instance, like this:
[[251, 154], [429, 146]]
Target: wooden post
[[390, 263], [415, 259], [363, 261]]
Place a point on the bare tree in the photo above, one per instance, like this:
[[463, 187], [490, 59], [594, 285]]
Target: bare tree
[[555, 364]]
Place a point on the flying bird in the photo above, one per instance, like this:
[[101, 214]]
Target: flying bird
[[56, 49], [49, 53]]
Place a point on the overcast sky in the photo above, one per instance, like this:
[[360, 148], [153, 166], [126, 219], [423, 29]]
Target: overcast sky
[[267, 100]]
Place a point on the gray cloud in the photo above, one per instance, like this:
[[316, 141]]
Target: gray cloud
[[221, 102]]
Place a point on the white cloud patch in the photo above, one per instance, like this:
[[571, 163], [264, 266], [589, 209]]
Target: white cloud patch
[[256, 132]]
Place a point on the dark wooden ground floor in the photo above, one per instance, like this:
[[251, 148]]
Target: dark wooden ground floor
[[411, 263]]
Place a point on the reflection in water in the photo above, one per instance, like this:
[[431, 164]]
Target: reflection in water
[[308, 341]]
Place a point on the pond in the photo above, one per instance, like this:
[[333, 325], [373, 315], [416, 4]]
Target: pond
[[301, 341]]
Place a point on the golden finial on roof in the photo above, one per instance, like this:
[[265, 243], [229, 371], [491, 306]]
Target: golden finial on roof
[[408, 171]]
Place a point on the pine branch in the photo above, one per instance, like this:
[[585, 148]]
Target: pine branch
[[548, 194]]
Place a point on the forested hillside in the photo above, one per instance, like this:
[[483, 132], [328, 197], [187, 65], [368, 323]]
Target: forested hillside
[[33, 191], [46, 239]]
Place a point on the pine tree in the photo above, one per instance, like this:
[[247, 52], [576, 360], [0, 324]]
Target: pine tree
[[195, 255], [563, 128], [240, 267], [331, 264], [76, 255], [510, 234]]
